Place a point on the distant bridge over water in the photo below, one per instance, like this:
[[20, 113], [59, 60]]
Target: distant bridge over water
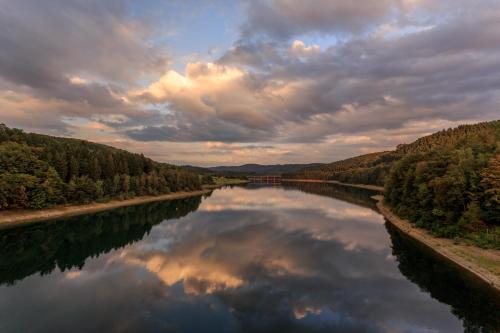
[[265, 179]]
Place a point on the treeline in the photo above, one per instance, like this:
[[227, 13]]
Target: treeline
[[365, 169], [449, 183], [38, 171], [208, 176], [451, 137]]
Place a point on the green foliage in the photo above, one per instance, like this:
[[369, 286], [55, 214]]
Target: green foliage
[[490, 184], [207, 180], [449, 183], [25, 180], [364, 169], [38, 171]]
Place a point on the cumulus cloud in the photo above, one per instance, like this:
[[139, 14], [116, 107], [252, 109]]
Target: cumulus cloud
[[298, 73], [214, 102], [299, 93], [300, 49]]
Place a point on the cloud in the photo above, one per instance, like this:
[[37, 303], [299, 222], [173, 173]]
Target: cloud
[[211, 102], [299, 49], [67, 52], [290, 92], [286, 18], [41, 42], [297, 77]]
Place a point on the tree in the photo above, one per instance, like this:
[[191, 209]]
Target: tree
[[37, 171], [490, 185]]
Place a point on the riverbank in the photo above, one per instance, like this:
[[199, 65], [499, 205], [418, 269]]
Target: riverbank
[[10, 219], [483, 263], [361, 186]]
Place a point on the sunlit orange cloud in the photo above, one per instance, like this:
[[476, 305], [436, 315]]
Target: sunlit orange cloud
[[214, 90], [188, 91], [302, 311], [300, 49], [73, 275]]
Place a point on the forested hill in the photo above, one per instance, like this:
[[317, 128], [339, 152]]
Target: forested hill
[[461, 136], [374, 168], [255, 169], [447, 182], [38, 171], [365, 169]]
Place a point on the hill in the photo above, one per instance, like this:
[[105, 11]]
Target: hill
[[256, 169], [38, 171], [365, 169], [198, 170], [447, 182]]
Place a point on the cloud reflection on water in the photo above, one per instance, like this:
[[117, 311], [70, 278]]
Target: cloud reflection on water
[[292, 255], [247, 260]]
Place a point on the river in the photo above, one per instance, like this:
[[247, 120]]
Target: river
[[307, 258]]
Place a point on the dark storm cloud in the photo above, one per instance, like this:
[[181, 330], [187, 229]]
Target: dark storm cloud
[[44, 45], [257, 54], [208, 130], [41, 41], [286, 18]]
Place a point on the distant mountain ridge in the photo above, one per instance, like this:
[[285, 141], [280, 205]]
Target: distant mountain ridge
[[260, 169]]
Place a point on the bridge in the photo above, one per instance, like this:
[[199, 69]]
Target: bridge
[[265, 179]]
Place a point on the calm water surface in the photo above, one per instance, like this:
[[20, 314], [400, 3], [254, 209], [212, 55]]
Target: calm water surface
[[312, 259]]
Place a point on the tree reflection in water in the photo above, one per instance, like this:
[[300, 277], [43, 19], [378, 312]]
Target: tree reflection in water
[[260, 260], [476, 304], [67, 243]]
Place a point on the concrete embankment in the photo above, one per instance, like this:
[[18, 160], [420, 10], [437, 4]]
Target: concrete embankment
[[482, 263]]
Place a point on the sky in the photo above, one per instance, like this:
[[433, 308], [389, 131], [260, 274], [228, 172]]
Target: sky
[[220, 82]]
